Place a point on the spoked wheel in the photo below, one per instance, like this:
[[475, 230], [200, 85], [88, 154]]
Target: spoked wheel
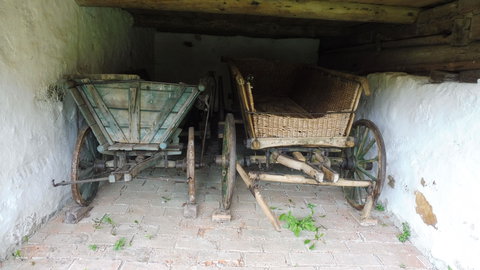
[[366, 161], [85, 159], [229, 158]]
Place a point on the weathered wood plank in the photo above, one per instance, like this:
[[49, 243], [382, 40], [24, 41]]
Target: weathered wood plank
[[168, 105], [134, 115], [97, 123], [106, 114], [230, 25], [412, 59], [342, 11], [262, 143]]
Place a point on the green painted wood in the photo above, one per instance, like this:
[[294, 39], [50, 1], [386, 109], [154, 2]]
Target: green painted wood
[[166, 110], [134, 115], [88, 113], [105, 113], [147, 112], [175, 118]]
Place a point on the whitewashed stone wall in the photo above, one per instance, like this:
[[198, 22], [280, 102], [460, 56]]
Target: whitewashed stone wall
[[40, 41], [432, 137]]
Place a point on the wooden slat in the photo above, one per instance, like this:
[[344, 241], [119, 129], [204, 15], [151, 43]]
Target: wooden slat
[[181, 113], [262, 143], [326, 10], [166, 109], [98, 102], [98, 125], [134, 115]]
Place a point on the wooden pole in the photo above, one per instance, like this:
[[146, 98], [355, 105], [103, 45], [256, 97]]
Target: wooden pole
[[258, 197], [300, 179], [307, 9], [297, 165]]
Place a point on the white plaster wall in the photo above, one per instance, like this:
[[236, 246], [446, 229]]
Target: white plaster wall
[[174, 61], [40, 41], [431, 131]]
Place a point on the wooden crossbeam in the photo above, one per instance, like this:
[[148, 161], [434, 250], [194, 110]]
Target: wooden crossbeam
[[230, 25], [308, 9]]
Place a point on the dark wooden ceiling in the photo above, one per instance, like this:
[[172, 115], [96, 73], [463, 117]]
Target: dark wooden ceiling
[[361, 36]]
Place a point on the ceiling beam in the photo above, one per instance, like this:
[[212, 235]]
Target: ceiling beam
[[214, 24], [306, 9]]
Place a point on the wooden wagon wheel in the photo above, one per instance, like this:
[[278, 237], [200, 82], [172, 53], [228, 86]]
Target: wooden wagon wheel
[[366, 161], [85, 159], [229, 158]]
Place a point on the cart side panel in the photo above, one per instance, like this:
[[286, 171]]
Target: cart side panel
[[135, 111]]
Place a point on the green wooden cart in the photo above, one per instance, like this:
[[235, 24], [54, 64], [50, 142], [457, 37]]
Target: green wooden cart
[[132, 125]]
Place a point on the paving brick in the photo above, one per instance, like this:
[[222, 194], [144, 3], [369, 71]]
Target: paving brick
[[195, 244], [82, 264], [357, 259], [220, 259], [400, 259], [265, 259], [283, 245], [153, 241], [128, 253], [240, 246], [312, 259], [142, 266], [30, 251], [174, 257], [66, 239], [44, 264]]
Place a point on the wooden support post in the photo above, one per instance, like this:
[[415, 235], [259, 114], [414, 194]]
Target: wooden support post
[[298, 165], [258, 197]]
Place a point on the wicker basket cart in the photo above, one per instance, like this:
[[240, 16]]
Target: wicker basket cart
[[302, 117]]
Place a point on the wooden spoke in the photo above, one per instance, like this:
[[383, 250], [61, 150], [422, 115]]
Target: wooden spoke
[[365, 167], [84, 156]]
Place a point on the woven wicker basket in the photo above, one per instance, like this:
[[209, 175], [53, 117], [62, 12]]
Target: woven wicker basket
[[305, 101]]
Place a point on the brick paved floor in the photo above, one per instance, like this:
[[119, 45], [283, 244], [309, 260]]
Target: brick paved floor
[[148, 214]]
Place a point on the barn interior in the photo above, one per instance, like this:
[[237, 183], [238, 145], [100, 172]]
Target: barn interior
[[421, 59]]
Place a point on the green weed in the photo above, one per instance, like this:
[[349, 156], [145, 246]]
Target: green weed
[[405, 235], [307, 223], [380, 207], [93, 247], [120, 244], [105, 219], [17, 253]]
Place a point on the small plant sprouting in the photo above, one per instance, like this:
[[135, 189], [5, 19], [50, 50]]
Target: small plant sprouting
[[450, 268], [380, 207], [105, 219], [165, 199], [25, 239], [120, 244], [305, 224], [136, 221], [93, 247], [149, 236], [17, 253], [405, 235], [403, 266]]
